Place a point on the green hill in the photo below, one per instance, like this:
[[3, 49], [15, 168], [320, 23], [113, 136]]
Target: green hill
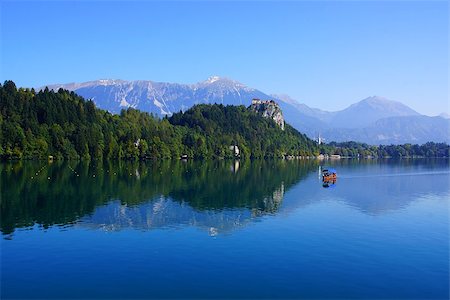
[[35, 125]]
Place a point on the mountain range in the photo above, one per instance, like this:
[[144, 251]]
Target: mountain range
[[374, 120]]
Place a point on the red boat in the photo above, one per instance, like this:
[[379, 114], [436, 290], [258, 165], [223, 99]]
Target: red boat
[[329, 177], [329, 174]]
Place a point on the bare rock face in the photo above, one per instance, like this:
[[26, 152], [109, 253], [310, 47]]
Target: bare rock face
[[268, 109]]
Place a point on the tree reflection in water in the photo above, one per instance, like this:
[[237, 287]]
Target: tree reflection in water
[[216, 195]]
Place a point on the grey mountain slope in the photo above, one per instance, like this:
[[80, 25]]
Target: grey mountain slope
[[162, 98], [304, 123], [360, 114], [374, 120], [396, 130], [316, 113], [369, 110]]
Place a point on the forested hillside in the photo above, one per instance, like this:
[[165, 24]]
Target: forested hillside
[[256, 136], [66, 126]]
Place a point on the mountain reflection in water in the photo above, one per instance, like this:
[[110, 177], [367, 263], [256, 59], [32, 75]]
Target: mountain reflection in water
[[216, 195]]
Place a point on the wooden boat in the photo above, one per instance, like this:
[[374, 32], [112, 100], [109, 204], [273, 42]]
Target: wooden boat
[[329, 175]]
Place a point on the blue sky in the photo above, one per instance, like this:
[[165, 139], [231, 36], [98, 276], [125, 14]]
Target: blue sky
[[324, 54]]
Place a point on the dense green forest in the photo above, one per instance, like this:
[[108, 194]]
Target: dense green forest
[[218, 126], [36, 125], [66, 126]]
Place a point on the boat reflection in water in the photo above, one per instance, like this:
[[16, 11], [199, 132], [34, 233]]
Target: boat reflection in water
[[329, 178], [329, 183]]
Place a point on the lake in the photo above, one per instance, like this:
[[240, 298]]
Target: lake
[[225, 229]]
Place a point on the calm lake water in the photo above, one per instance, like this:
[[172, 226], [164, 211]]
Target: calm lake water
[[223, 229]]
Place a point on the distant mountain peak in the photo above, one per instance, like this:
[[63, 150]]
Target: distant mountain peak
[[223, 80], [223, 84], [377, 98], [384, 104], [369, 110], [373, 100], [212, 79]]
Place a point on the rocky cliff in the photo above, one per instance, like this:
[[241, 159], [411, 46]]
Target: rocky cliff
[[268, 109]]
